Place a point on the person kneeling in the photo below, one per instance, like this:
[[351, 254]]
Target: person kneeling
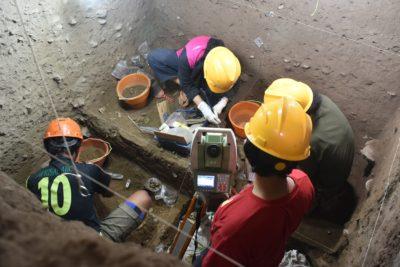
[[59, 187]]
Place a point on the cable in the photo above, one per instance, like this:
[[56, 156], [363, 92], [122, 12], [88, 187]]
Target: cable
[[82, 188], [383, 201]]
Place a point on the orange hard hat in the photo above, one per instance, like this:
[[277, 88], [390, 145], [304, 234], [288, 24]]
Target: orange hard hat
[[63, 127]]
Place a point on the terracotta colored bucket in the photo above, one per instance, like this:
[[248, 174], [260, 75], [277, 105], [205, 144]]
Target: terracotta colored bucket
[[240, 114], [135, 79], [97, 143]]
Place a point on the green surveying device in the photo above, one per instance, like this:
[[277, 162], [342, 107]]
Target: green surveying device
[[213, 161]]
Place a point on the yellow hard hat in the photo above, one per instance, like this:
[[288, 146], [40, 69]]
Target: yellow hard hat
[[301, 92], [221, 69], [281, 128]]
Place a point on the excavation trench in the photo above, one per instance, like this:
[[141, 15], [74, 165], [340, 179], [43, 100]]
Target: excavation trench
[[138, 157]]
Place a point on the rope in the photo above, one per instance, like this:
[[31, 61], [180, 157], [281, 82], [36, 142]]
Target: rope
[[126, 199], [315, 10], [82, 189], [80, 174], [389, 179]]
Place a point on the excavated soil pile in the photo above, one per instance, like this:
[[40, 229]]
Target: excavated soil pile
[[91, 153], [31, 236]]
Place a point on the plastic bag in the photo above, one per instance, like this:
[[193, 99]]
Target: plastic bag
[[144, 50], [137, 61], [122, 69], [293, 258], [168, 195], [160, 248], [175, 117]]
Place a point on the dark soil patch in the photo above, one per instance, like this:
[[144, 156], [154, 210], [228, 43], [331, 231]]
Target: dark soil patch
[[90, 153]]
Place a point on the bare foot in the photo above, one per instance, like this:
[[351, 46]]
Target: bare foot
[[163, 95]]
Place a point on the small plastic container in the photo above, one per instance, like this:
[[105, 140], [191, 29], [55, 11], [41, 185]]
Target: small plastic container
[[240, 114]]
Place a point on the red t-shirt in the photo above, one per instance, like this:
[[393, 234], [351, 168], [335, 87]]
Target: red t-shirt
[[254, 231]]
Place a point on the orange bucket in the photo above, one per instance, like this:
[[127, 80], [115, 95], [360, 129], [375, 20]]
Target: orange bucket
[[135, 79], [240, 114], [102, 145]]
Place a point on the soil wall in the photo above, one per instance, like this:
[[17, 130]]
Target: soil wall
[[77, 44], [366, 231]]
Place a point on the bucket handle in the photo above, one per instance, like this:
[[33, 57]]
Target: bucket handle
[[254, 101]]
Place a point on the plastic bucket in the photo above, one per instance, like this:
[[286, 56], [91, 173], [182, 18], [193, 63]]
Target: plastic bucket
[[240, 114], [97, 143], [135, 79]]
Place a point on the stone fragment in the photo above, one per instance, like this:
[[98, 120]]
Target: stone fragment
[[57, 78], [78, 103], [93, 44], [72, 22], [118, 27], [101, 13]]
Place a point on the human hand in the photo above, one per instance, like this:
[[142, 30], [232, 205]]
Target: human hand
[[220, 105], [208, 113]]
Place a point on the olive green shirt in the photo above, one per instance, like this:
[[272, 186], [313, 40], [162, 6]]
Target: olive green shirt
[[332, 147]]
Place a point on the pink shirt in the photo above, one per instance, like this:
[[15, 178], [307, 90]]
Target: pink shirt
[[195, 49]]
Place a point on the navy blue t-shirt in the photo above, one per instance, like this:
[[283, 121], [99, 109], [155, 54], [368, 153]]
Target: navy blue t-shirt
[[59, 192]]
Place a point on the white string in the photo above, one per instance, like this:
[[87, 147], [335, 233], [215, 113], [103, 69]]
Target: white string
[[389, 179], [385, 51], [126, 199], [315, 10], [84, 174], [48, 93]]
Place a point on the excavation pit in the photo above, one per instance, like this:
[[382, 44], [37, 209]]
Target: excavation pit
[[78, 43]]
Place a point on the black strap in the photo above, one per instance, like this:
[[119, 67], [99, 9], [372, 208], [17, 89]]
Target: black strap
[[198, 208]]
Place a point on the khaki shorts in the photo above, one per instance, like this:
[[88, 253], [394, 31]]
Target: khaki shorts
[[121, 222]]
